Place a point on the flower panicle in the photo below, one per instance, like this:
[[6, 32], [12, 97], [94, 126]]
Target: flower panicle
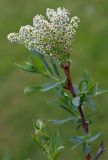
[[49, 37]]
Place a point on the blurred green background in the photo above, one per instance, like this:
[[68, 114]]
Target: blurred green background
[[16, 109]]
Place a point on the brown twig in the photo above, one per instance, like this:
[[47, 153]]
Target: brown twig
[[100, 151], [69, 86]]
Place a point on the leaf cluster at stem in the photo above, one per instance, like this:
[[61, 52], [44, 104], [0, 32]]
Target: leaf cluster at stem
[[72, 99]]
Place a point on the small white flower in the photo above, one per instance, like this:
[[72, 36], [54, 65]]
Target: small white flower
[[27, 32], [49, 37], [40, 124], [14, 37]]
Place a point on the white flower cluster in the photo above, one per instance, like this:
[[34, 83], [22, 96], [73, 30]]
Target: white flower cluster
[[49, 37]]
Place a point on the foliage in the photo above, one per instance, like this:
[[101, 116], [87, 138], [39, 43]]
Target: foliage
[[85, 90], [48, 140]]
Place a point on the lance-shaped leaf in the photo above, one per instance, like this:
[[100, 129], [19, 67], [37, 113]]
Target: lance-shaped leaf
[[65, 100], [83, 87], [75, 146], [55, 68], [65, 107], [89, 88], [90, 103], [46, 87], [94, 90], [43, 60], [31, 89], [38, 64], [87, 149], [72, 118], [28, 67], [55, 146], [101, 91], [85, 76], [47, 139], [34, 65], [46, 64], [93, 138], [77, 139]]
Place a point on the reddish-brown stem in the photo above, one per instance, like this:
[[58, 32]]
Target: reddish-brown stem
[[99, 151], [69, 86], [88, 157]]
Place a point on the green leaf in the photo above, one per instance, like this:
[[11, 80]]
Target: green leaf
[[65, 100], [69, 110], [46, 87], [90, 103], [55, 68], [76, 101], [81, 140], [46, 65], [72, 118], [75, 146], [31, 89], [85, 76], [101, 91], [34, 65], [76, 139], [66, 108], [58, 151], [50, 86], [55, 147], [43, 60], [47, 139], [83, 87], [92, 89], [93, 138], [87, 149], [92, 114], [28, 67], [38, 64]]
